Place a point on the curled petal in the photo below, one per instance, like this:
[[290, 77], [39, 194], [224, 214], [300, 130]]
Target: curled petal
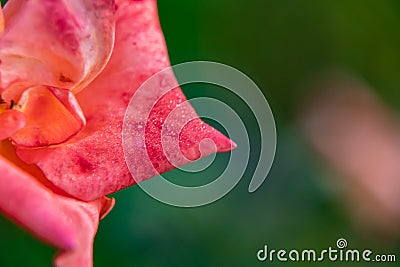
[[64, 222], [85, 223], [58, 43], [93, 162], [53, 115]]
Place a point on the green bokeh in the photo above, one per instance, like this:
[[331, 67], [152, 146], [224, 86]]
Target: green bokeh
[[278, 44]]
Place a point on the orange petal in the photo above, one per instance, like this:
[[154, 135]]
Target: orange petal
[[11, 121], [59, 43], [53, 115], [92, 164], [1, 20]]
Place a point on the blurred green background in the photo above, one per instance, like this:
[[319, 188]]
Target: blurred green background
[[278, 44]]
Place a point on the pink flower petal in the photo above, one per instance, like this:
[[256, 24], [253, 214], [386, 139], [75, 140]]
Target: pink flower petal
[[93, 162], [59, 43], [64, 222]]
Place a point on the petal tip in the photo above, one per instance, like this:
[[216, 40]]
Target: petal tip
[[107, 205], [228, 147]]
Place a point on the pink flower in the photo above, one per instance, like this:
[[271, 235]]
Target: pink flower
[[68, 70], [359, 137]]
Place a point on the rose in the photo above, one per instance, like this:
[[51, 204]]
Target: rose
[[68, 71]]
